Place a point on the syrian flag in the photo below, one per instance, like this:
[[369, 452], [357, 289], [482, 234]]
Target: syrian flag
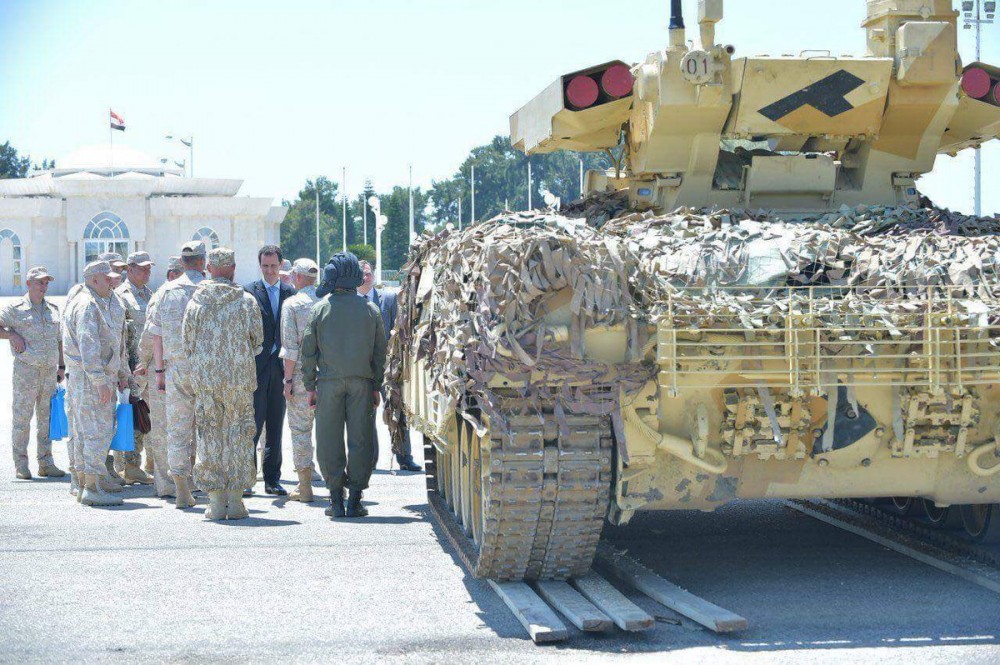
[[117, 122]]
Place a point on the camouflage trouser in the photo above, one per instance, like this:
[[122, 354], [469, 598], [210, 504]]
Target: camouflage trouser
[[133, 457], [93, 425], [225, 427], [156, 443], [74, 467], [300, 424], [33, 388], [180, 420]]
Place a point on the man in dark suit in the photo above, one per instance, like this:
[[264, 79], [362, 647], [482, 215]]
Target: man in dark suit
[[387, 304], [269, 398]]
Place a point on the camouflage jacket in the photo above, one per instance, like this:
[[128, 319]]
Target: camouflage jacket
[[39, 326], [94, 338], [136, 301], [295, 315], [222, 334], [166, 320]]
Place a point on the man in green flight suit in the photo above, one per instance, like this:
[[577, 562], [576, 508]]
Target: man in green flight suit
[[343, 360]]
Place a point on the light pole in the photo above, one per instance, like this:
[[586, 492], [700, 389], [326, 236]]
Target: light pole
[[380, 221], [973, 12], [343, 187], [189, 142]]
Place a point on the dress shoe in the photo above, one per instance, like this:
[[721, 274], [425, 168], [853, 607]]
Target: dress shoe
[[248, 491], [354, 507], [336, 507], [276, 490], [407, 464]]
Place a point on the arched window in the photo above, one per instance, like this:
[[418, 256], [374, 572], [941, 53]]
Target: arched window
[[10, 263], [207, 236], [106, 232]]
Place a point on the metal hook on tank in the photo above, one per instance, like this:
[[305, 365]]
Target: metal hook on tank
[[973, 459]]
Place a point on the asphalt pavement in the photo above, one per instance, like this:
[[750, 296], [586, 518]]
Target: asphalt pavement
[[148, 581]]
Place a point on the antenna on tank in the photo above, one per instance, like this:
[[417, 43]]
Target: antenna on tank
[[676, 26]]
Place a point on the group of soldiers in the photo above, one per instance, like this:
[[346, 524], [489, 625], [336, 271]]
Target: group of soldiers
[[188, 352]]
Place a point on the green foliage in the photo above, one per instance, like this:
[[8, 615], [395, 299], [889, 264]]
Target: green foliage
[[501, 181], [363, 252], [11, 165]]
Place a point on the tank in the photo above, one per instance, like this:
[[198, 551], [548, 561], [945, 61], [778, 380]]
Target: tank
[[755, 302]]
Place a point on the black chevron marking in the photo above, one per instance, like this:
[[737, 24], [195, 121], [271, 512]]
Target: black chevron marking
[[826, 95]]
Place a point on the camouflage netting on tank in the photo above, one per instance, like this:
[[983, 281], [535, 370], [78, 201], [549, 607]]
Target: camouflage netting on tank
[[474, 301]]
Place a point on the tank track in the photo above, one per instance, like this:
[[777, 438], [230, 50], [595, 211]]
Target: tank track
[[916, 531], [545, 497]]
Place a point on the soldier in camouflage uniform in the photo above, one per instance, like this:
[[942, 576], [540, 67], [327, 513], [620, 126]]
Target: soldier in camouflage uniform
[[135, 296], [156, 441], [32, 326], [94, 349], [223, 333], [174, 374], [294, 318], [118, 266], [75, 468]]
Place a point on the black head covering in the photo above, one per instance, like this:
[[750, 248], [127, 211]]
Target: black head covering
[[342, 272]]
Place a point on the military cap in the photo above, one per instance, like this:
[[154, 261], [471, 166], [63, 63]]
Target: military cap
[[221, 257], [140, 259], [286, 267], [193, 248], [305, 267], [39, 272], [174, 264], [114, 258], [99, 268]]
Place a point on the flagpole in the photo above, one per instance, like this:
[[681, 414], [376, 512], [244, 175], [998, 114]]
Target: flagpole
[[111, 144], [472, 217]]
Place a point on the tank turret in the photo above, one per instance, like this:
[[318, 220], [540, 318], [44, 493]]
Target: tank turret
[[698, 126]]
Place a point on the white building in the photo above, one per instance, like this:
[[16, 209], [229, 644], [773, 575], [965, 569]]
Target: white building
[[97, 201]]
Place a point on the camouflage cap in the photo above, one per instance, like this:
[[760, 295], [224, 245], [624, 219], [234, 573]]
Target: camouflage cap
[[286, 267], [193, 248], [305, 267], [220, 257], [39, 272], [174, 264], [140, 259], [114, 258], [99, 268]]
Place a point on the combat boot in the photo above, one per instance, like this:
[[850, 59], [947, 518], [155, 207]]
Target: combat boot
[[304, 490], [108, 485], [92, 495], [235, 510], [216, 505], [21, 470], [184, 498], [354, 507], [148, 468], [336, 508], [135, 475], [109, 464], [49, 470], [75, 486]]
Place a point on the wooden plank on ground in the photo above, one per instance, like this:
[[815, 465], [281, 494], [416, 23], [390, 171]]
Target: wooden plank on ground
[[627, 615], [631, 572], [581, 612], [537, 618]]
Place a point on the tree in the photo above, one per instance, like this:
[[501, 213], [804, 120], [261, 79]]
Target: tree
[[363, 252], [298, 231], [14, 166], [11, 165]]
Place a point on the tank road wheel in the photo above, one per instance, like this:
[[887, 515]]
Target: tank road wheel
[[531, 499], [982, 522], [903, 505], [940, 518]]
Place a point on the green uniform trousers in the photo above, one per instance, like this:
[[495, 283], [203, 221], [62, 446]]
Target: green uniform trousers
[[340, 402]]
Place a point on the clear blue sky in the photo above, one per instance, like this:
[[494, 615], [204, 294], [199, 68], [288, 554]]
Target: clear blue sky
[[278, 92]]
